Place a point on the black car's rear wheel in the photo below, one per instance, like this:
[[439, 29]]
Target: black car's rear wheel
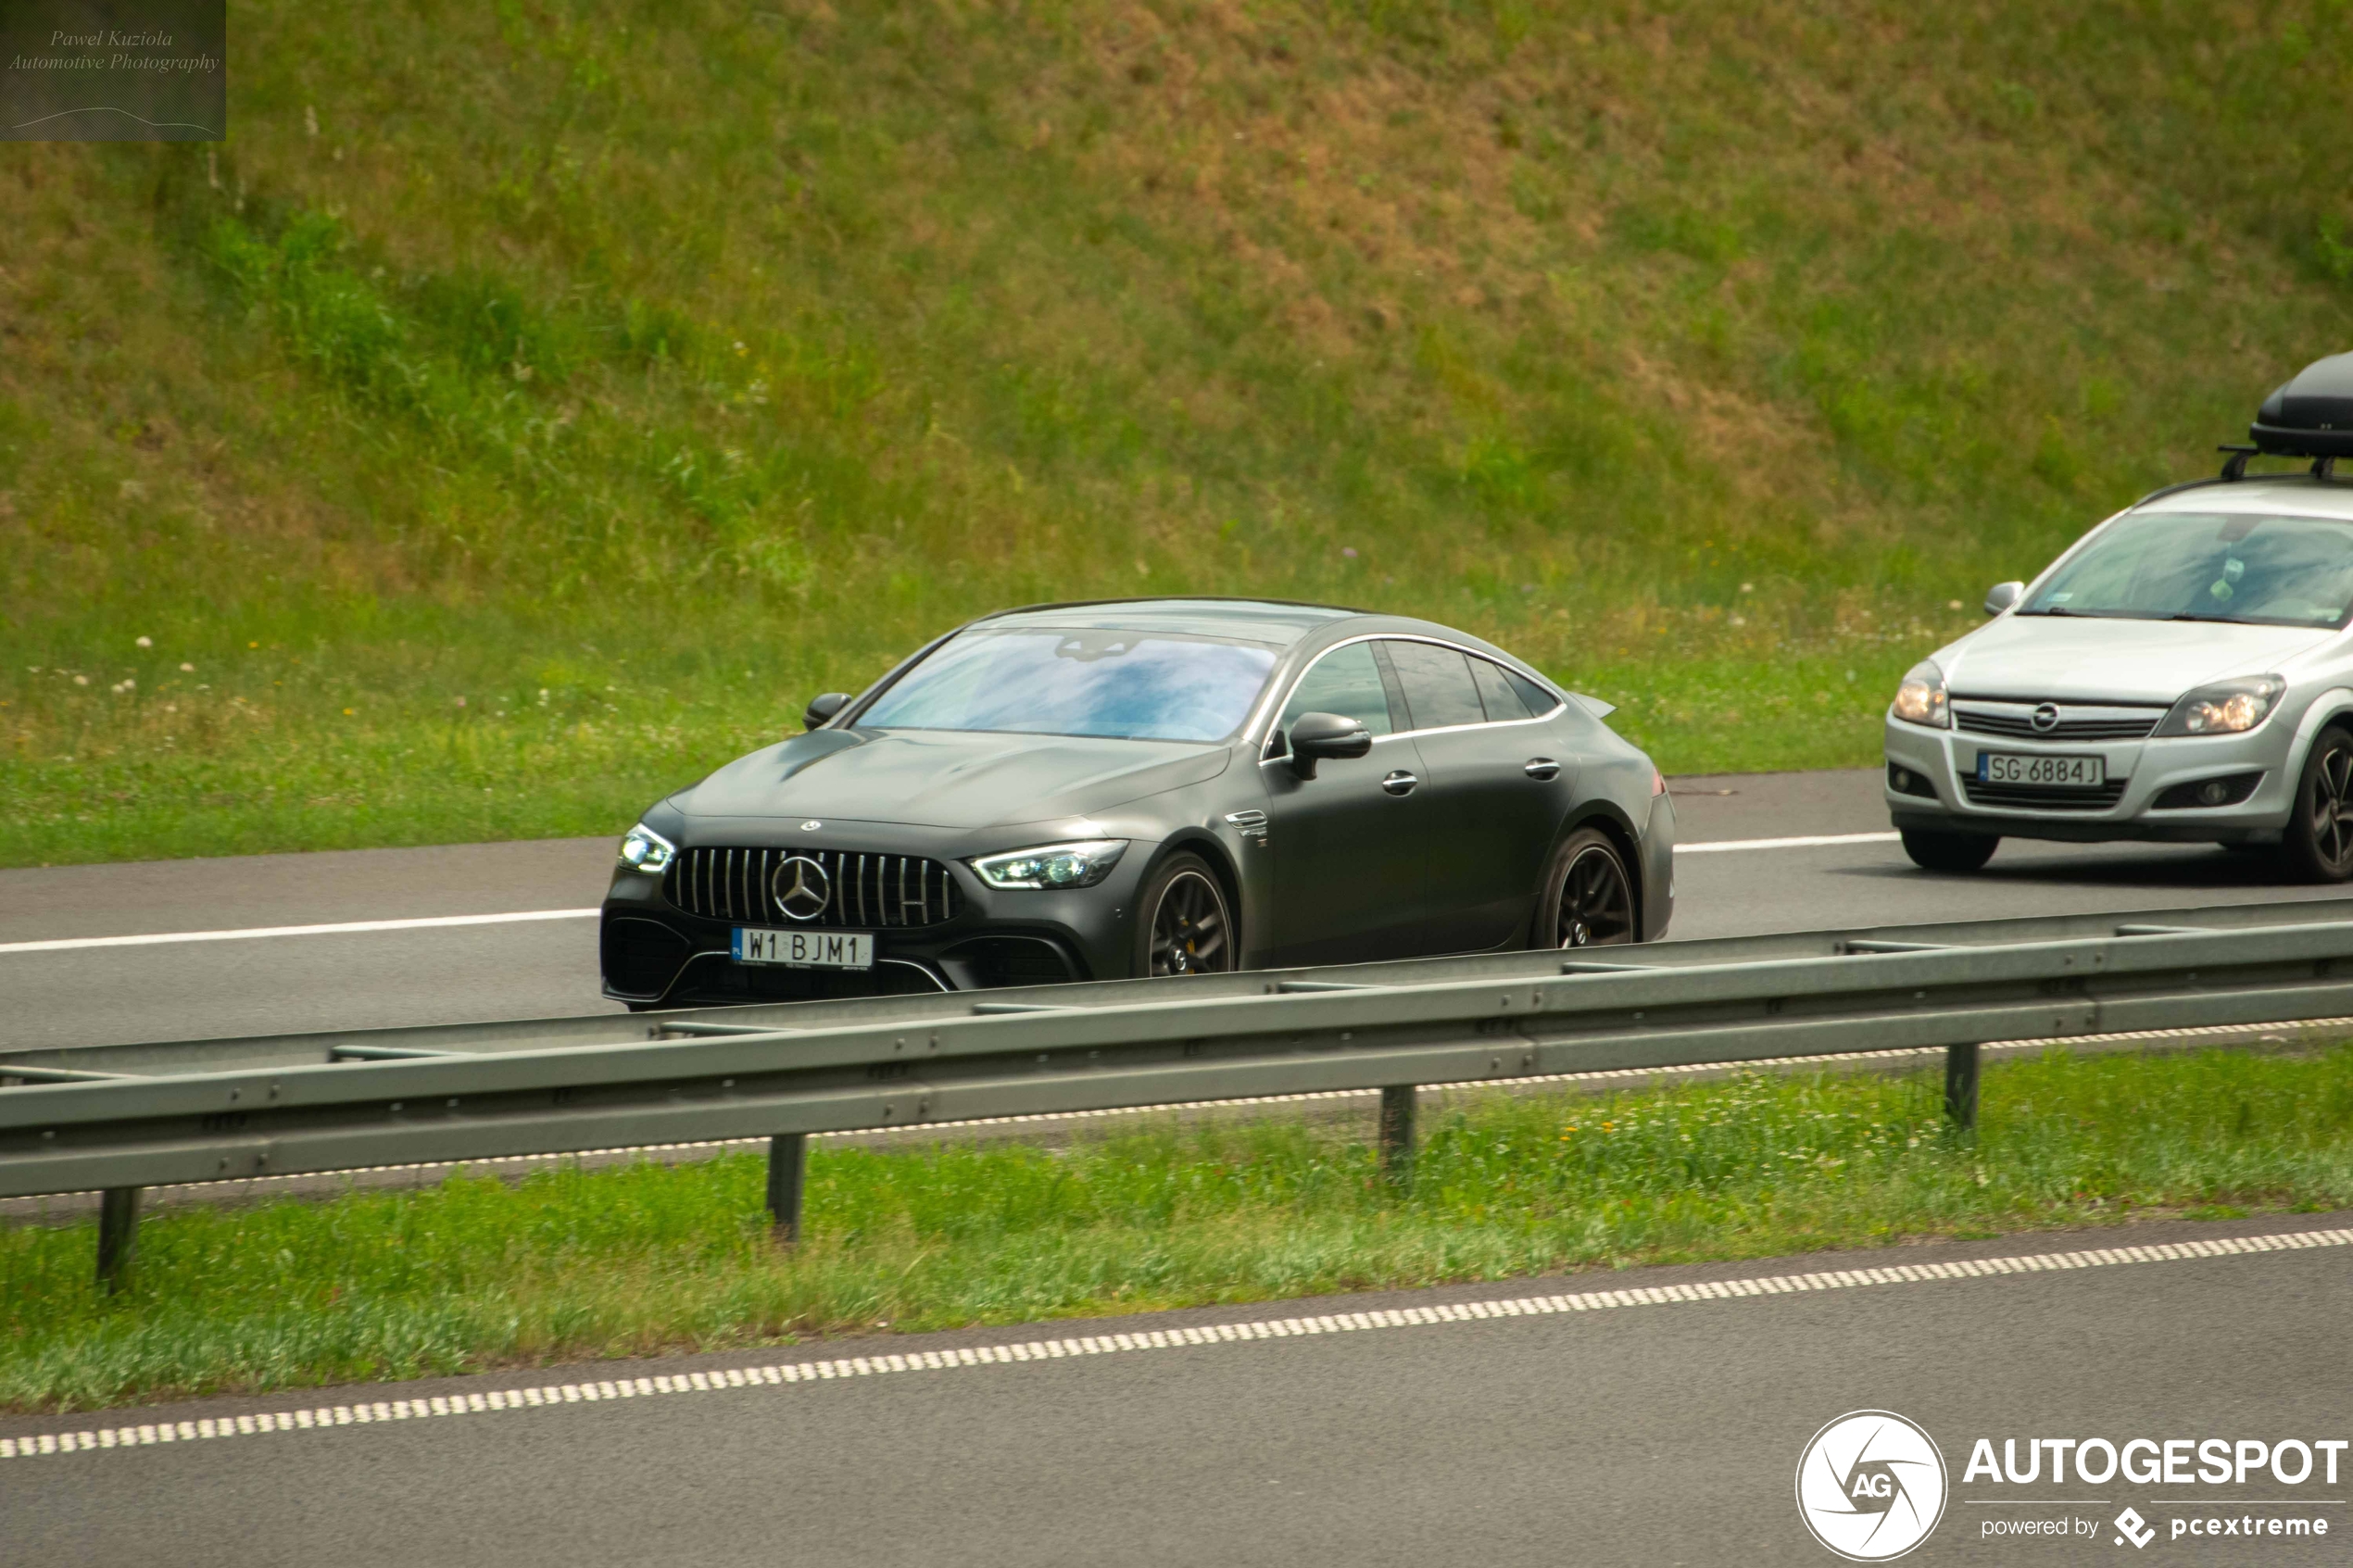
[[1186, 927], [1589, 899], [2318, 846]]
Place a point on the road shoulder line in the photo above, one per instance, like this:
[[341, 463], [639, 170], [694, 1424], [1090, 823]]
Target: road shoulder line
[[781, 1373], [247, 933]]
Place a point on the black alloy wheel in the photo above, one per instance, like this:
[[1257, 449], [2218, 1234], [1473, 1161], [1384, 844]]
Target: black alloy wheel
[[2318, 840], [1954, 852], [1592, 899], [1187, 929]]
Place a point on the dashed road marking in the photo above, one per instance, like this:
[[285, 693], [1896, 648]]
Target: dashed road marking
[[251, 933], [781, 1373]]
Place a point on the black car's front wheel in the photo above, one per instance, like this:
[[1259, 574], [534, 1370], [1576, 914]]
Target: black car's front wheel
[[1588, 901], [1185, 926]]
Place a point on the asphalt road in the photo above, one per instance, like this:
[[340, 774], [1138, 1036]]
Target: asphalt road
[[548, 968], [1643, 1434]]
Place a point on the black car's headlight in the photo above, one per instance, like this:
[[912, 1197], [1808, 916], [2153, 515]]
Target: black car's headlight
[[646, 850], [1081, 864], [2226, 707], [1920, 699]]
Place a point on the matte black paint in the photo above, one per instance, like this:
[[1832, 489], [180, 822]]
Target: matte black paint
[[1339, 868]]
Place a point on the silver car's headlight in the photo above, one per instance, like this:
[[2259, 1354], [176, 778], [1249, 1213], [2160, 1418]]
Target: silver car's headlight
[[645, 850], [1082, 864], [1920, 699], [2226, 707]]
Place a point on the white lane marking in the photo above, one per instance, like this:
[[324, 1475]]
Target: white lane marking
[[881, 1362], [249, 933], [1815, 842]]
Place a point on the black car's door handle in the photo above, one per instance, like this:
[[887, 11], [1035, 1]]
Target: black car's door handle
[[1400, 783], [1541, 768]]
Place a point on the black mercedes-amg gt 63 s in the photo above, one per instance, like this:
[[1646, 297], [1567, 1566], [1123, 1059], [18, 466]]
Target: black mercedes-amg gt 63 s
[[1151, 786]]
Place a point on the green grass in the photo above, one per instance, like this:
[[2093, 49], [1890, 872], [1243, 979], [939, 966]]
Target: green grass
[[568, 1265], [684, 361]]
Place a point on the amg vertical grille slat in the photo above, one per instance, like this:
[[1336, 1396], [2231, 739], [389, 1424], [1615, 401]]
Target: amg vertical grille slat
[[891, 892]]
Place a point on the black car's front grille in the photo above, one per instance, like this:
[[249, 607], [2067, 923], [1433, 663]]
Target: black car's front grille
[[893, 891], [2018, 725], [2042, 798]]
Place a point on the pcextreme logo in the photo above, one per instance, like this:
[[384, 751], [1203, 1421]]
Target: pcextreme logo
[[1870, 1486]]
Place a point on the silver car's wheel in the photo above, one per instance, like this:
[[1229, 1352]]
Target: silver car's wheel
[[1590, 899], [2318, 840]]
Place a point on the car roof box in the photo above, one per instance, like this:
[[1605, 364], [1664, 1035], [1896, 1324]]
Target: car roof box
[[2312, 415]]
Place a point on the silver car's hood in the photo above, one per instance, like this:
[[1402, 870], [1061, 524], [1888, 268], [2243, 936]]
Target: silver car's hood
[[2037, 657]]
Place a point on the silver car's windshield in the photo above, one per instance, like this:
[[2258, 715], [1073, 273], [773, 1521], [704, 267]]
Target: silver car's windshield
[[2206, 566], [1041, 681]]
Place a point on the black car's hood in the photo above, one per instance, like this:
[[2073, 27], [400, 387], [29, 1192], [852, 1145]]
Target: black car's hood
[[948, 779]]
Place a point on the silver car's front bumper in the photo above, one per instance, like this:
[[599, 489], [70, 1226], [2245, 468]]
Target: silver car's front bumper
[[1946, 761]]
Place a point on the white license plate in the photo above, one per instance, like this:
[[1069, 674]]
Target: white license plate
[[2051, 772], [806, 950]]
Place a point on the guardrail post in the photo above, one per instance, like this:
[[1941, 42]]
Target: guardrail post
[[788, 1169], [1960, 1087], [118, 1235], [1397, 1135]]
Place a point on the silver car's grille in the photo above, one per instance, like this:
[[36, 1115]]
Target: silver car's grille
[[2042, 798], [860, 890], [2072, 722]]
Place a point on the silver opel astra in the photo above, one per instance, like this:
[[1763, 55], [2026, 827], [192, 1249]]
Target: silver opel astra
[[2183, 673]]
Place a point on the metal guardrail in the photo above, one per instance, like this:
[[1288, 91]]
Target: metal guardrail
[[389, 1096]]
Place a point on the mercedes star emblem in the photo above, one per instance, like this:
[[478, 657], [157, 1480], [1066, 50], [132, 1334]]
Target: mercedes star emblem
[[2045, 718], [812, 825], [802, 888]]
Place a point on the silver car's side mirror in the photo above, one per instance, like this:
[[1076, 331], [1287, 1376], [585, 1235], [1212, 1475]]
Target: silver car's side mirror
[[2001, 595]]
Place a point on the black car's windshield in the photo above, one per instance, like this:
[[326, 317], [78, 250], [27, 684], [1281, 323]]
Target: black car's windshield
[[2203, 566], [1135, 685]]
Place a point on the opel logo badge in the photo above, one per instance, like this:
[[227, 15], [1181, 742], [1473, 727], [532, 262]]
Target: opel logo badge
[[803, 887], [2045, 718]]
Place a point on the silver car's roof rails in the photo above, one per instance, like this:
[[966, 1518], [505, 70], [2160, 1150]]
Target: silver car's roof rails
[[2234, 467]]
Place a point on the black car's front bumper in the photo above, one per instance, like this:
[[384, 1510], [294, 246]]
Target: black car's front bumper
[[655, 953]]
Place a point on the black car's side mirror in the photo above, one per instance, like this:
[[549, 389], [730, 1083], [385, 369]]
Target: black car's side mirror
[[2001, 595], [1315, 736], [821, 708]]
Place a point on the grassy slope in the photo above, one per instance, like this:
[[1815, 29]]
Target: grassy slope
[[568, 1265], [632, 372]]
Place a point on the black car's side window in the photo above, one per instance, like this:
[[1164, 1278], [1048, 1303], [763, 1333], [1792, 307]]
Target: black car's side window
[[1439, 687], [1508, 693], [1497, 692], [1345, 682], [1538, 700]]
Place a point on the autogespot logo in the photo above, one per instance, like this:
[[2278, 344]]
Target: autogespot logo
[[1870, 1486]]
